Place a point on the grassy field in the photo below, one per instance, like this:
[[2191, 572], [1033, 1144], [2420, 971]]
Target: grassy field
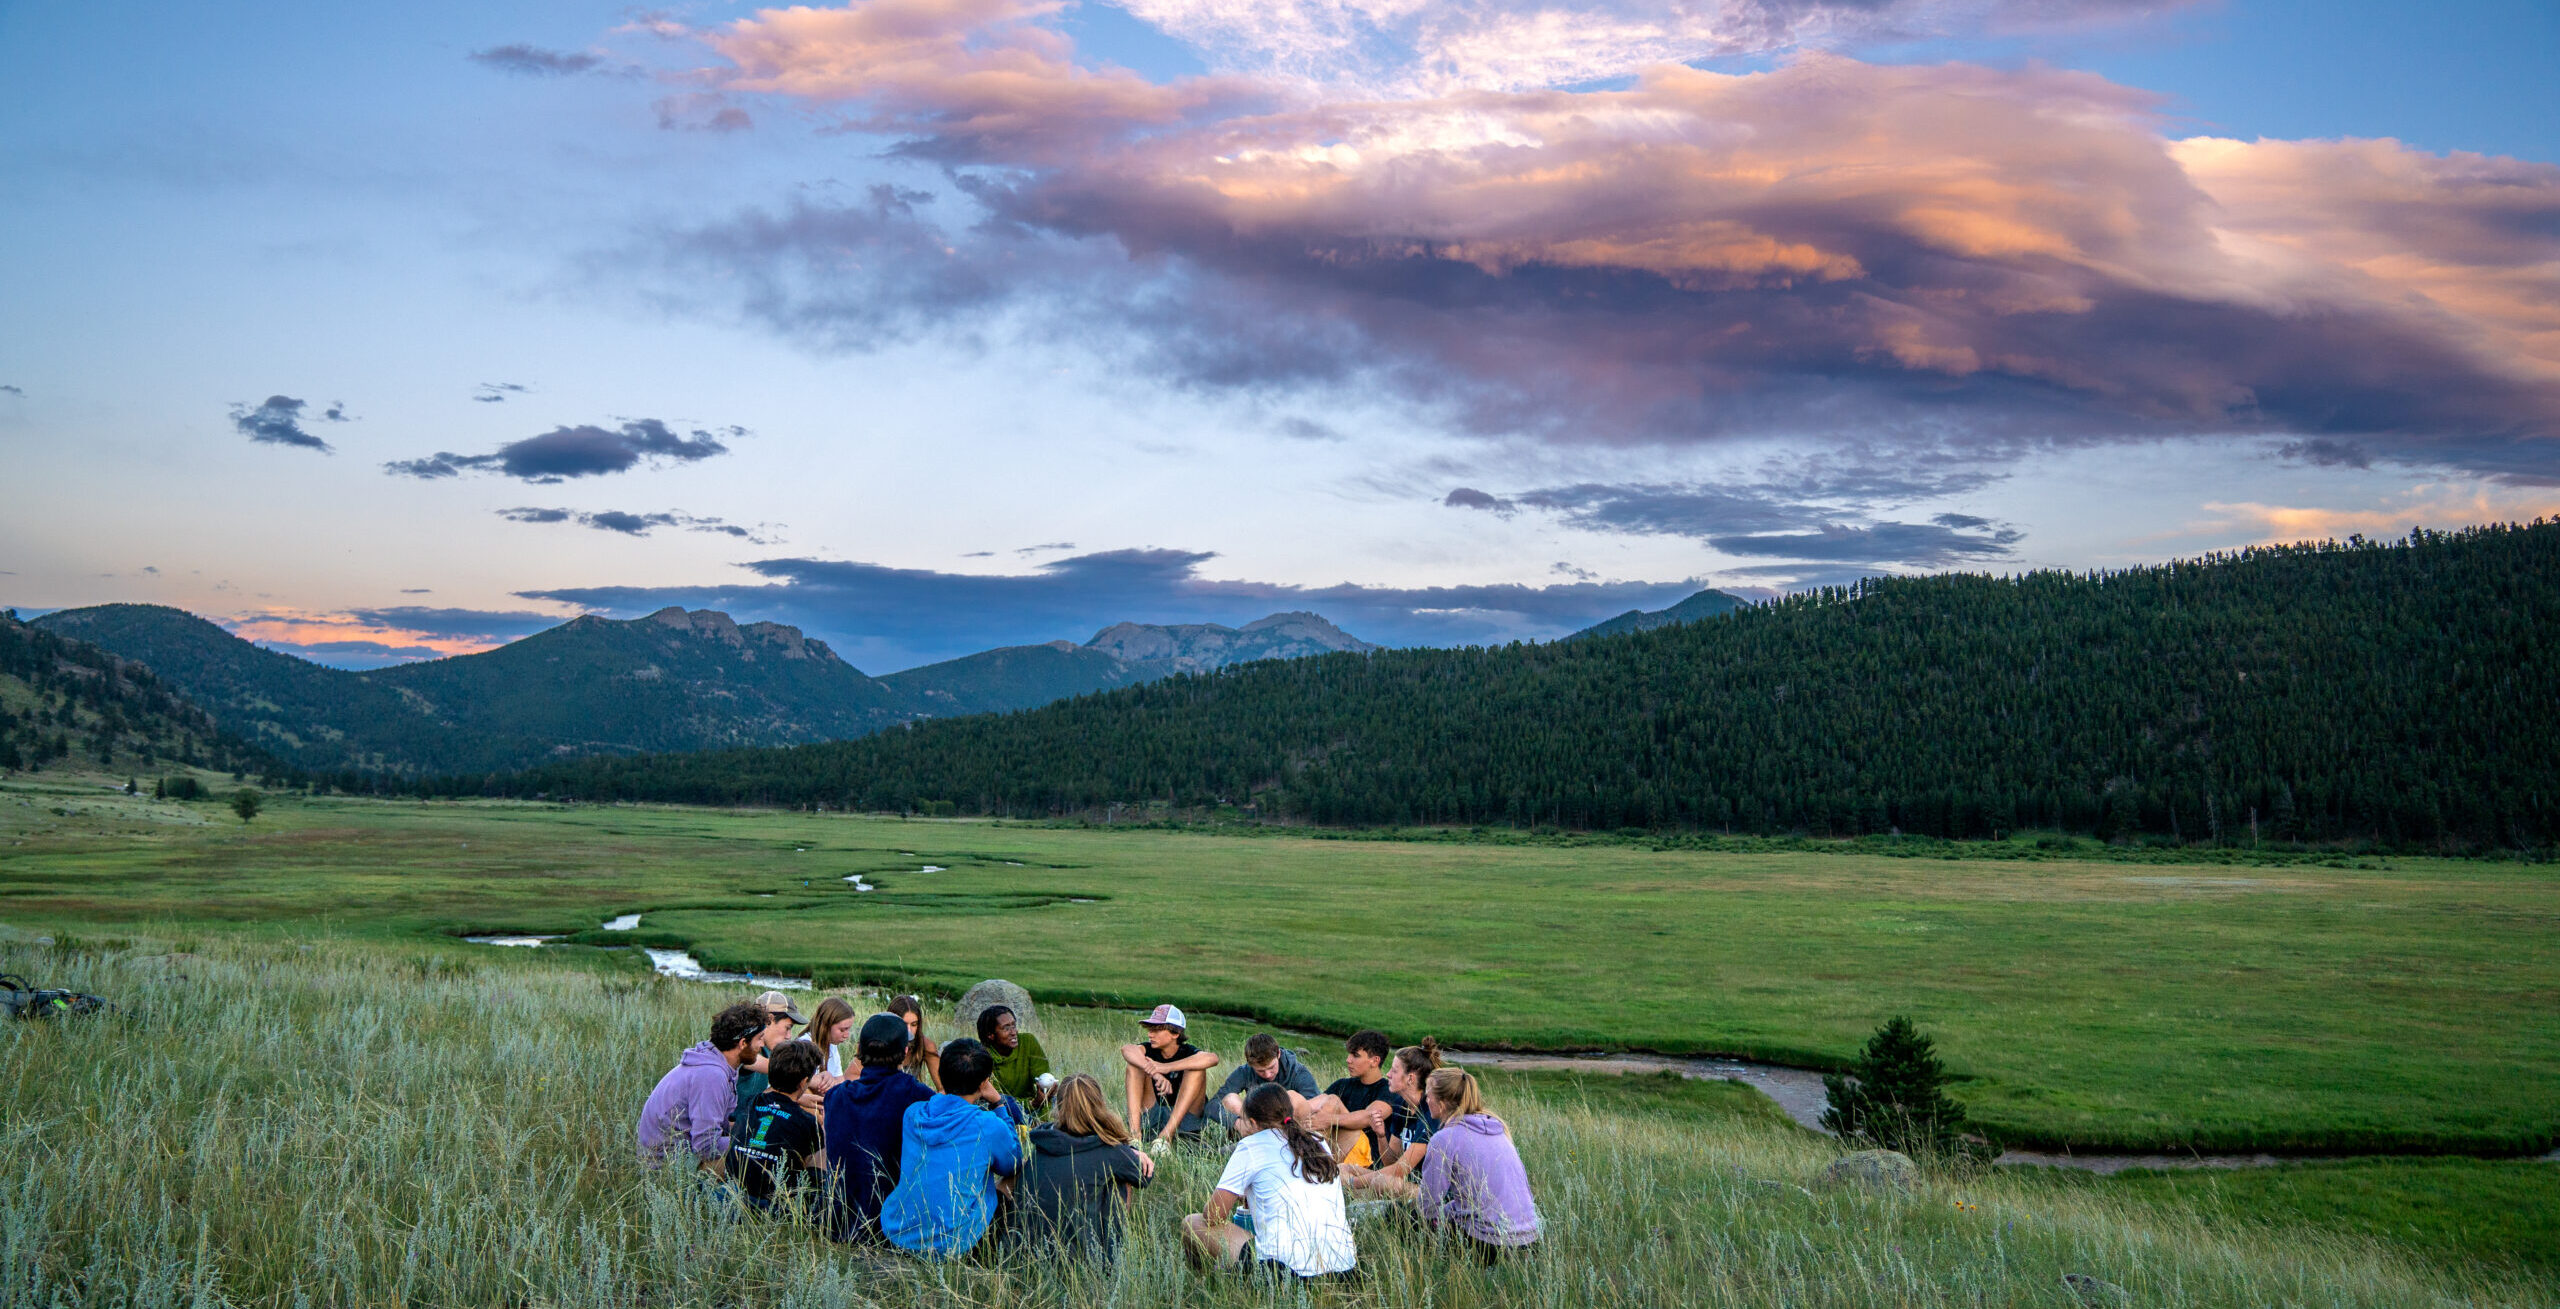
[[354, 1122], [2403, 1004]]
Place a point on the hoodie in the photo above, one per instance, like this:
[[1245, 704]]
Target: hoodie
[[865, 1117], [945, 1195], [1473, 1181], [1068, 1197], [690, 1107]]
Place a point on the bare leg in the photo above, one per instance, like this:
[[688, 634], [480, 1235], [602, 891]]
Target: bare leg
[[1142, 1095], [1380, 1184], [1191, 1093], [1223, 1247]]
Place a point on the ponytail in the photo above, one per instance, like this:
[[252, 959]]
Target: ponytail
[[1268, 1105]]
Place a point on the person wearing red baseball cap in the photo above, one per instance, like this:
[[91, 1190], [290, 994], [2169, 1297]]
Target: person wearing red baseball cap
[[1168, 1081]]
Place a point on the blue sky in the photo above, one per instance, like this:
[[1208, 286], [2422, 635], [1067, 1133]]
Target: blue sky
[[376, 333]]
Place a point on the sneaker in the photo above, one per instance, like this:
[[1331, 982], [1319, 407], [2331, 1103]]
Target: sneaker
[[1160, 1148]]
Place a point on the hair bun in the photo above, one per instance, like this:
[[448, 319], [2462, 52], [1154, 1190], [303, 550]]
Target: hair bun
[[1431, 1050]]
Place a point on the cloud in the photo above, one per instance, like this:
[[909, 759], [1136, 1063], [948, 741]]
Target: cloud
[[701, 112], [375, 638], [1467, 497], [1397, 47], [491, 393], [1918, 545], [582, 451], [889, 618], [13, 391], [416, 590], [277, 422], [1823, 250], [534, 61], [631, 524]]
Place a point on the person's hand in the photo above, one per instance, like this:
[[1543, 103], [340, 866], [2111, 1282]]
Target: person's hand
[[1164, 1085], [1146, 1165], [1377, 1115]]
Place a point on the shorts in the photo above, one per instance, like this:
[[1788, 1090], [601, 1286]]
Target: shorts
[[1152, 1122]]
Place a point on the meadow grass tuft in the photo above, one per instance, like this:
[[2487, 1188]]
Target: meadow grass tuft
[[351, 1124]]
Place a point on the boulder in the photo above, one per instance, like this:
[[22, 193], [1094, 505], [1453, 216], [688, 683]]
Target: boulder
[[1881, 1169], [987, 995]]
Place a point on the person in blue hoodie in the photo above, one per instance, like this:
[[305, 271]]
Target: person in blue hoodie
[[952, 1153], [866, 1117]]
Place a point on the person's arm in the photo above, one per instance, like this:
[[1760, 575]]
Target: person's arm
[[1222, 1207], [1196, 1063], [1414, 1156], [1135, 1055], [1133, 1166]]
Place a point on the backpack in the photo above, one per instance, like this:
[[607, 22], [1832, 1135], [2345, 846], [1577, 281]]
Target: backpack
[[23, 1001]]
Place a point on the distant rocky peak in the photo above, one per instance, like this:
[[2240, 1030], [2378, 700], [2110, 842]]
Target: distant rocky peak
[[1199, 647], [711, 624]]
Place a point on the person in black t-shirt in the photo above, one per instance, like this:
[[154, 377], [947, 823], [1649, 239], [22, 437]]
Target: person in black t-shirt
[[1353, 1112], [783, 1150], [1168, 1080]]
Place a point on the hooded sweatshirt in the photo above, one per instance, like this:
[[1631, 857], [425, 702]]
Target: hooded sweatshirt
[[945, 1195], [690, 1108], [1069, 1193], [1473, 1181], [865, 1118]]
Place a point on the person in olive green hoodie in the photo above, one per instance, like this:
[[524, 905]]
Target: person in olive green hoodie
[[1022, 1067]]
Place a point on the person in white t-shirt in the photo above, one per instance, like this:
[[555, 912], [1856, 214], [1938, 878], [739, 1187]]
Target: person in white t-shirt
[[1290, 1188]]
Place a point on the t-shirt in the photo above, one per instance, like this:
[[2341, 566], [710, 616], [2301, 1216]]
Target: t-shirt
[[1181, 1050], [1357, 1095], [1416, 1128], [1295, 1222], [1291, 1074], [774, 1151], [1016, 1072]]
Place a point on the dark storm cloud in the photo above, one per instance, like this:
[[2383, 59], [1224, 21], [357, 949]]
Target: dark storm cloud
[[278, 421], [890, 618], [582, 451], [1825, 513], [631, 524], [534, 61]]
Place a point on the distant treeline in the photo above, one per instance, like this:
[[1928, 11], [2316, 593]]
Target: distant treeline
[[2405, 692], [69, 701]]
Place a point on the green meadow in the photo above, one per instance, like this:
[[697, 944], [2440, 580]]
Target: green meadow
[[2400, 1004], [385, 1121]]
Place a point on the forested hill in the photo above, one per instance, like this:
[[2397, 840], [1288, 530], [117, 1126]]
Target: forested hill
[[2408, 691], [68, 703]]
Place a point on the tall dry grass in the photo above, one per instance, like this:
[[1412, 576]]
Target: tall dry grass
[[345, 1125]]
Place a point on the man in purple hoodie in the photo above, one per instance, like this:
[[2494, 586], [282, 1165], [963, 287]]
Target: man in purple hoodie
[[692, 1103]]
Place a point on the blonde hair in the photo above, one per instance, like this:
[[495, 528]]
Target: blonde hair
[[831, 1011], [1083, 1112], [1453, 1092]]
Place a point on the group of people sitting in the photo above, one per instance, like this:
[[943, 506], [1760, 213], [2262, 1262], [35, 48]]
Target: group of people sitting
[[944, 1151]]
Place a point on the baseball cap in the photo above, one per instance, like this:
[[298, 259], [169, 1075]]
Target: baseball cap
[[772, 1000], [1165, 1015]]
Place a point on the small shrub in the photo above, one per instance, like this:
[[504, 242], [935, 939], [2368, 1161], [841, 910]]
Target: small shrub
[[246, 802], [1895, 1096]]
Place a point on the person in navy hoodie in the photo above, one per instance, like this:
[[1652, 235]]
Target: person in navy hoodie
[[865, 1118], [953, 1152]]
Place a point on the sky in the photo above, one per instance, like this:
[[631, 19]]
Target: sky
[[382, 333]]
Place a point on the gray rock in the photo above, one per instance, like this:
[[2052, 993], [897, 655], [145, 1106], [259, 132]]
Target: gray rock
[[987, 995], [2097, 1293], [1882, 1169]]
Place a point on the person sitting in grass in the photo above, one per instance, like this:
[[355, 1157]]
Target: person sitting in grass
[[1265, 1064], [923, 1063], [1353, 1112], [1471, 1183], [865, 1123], [752, 1073], [950, 1158], [1022, 1067], [1074, 1183], [1409, 1129], [1291, 1191], [1168, 1080], [785, 1142], [832, 1032], [691, 1106]]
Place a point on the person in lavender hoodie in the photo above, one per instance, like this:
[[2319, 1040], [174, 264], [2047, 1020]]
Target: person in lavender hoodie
[[1471, 1183], [691, 1106]]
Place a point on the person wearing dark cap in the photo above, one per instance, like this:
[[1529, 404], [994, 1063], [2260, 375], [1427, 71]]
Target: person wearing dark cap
[[864, 1117]]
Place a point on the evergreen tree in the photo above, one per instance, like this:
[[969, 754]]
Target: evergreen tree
[[246, 802], [1894, 1097]]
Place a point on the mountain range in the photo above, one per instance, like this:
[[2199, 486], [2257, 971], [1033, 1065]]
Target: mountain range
[[672, 681]]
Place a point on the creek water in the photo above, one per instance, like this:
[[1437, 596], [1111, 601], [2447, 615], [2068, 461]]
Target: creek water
[[623, 924]]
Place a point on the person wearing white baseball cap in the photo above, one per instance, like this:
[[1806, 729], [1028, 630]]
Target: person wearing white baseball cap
[[1168, 1080]]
